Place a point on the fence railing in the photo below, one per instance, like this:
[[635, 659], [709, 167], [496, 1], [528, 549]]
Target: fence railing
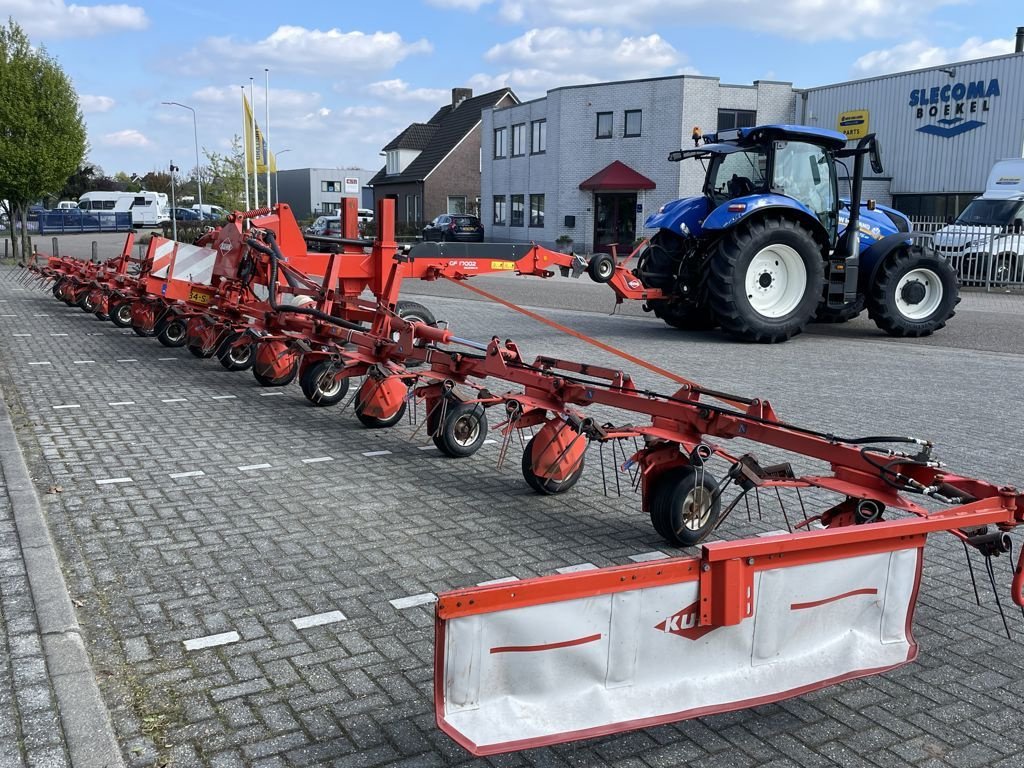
[[76, 220], [983, 256]]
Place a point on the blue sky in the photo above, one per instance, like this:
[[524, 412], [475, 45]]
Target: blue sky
[[346, 77]]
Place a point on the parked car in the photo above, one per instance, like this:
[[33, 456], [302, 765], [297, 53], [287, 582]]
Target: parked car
[[318, 226], [184, 214], [455, 226]]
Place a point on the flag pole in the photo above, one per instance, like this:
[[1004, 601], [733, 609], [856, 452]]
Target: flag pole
[[266, 128], [245, 155], [255, 162]]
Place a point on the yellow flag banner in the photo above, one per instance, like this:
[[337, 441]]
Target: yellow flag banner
[[262, 152]]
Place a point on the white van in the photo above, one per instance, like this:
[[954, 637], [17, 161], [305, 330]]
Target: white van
[[148, 209], [207, 210], [66, 205], [986, 242]]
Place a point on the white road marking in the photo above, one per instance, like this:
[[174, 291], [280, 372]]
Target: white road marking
[[502, 580], [211, 641], [317, 459], [83, 362], [413, 600], [369, 454], [249, 467], [43, 314], [489, 442], [73, 405], [194, 473], [58, 334], [127, 360], [21, 335], [123, 402], [428, 447], [270, 394], [318, 619], [223, 397], [175, 400], [41, 363], [111, 480], [8, 315], [162, 359], [646, 557], [577, 568]]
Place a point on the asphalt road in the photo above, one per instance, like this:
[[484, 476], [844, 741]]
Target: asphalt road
[[193, 504]]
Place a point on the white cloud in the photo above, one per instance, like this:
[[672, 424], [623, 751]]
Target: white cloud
[[280, 98], [469, 5], [94, 104], [798, 19], [399, 90], [126, 138], [307, 50], [55, 19], [918, 54]]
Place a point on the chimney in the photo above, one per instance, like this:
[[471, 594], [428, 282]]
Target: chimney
[[1019, 48], [459, 95]]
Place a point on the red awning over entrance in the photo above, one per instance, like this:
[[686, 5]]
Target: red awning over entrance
[[617, 175]]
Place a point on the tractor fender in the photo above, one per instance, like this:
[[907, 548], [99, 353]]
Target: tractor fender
[[729, 214], [871, 260]]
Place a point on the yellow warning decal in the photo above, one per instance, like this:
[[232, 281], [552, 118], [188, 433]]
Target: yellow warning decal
[[503, 265]]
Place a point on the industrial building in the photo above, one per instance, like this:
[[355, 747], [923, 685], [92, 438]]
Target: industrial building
[[589, 163], [317, 191]]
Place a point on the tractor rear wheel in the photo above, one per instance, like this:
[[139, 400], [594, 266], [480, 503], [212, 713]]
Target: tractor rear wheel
[[685, 317], [914, 294], [682, 509], [765, 280]]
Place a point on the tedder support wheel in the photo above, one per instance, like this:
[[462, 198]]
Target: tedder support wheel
[[121, 314], [695, 317], [85, 302], [319, 384], [414, 312], [274, 364], [681, 505], [914, 294], [463, 430], [601, 267], [765, 280], [58, 288], [547, 485], [172, 333], [376, 423], [235, 358]]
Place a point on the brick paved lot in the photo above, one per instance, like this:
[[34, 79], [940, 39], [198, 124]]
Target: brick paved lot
[[194, 536]]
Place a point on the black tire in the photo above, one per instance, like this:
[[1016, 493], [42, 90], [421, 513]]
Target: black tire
[[320, 387], [904, 282], [58, 288], [545, 485], [735, 255], [85, 302], [374, 423], [463, 431], [415, 312], [674, 494], [278, 381], [198, 351], [235, 358], [121, 314], [827, 314], [685, 317], [172, 332], [601, 267]]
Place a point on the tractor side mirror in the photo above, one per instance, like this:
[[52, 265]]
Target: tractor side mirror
[[875, 156], [950, 219], [675, 156], [1018, 226]]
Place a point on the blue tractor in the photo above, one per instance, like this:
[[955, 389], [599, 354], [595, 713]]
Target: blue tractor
[[768, 247]]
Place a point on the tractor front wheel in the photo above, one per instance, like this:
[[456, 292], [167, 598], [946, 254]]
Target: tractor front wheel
[[765, 280], [913, 295]]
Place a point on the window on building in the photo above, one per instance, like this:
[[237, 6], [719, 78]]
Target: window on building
[[928, 207], [736, 118], [538, 137], [412, 208], [634, 118], [333, 186], [456, 204], [536, 210], [604, 125], [330, 207], [518, 139], [394, 163], [499, 210], [500, 142], [517, 211]]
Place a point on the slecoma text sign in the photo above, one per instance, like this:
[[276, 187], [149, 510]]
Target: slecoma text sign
[[954, 108]]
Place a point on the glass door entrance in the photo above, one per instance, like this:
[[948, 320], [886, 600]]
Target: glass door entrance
[[614, 221]]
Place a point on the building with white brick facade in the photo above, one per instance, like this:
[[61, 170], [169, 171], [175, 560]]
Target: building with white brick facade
[[536, 155]]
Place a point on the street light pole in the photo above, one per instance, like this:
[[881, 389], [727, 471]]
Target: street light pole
[[174, 205], [199, 170], [277, 187]]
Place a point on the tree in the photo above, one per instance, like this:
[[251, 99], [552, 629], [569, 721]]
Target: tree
[[224, 177], [42, 134]]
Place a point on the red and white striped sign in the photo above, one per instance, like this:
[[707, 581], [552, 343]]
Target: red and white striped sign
[[181, 261]]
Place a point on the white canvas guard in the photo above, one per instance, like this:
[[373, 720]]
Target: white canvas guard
[[525, 677]]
